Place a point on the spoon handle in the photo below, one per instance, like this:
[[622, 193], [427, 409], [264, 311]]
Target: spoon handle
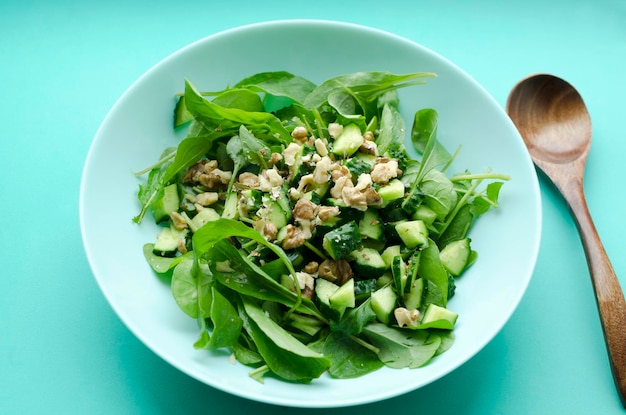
[[609, 295]]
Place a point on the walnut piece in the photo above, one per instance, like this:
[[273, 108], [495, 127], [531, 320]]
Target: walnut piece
[[337, 271]]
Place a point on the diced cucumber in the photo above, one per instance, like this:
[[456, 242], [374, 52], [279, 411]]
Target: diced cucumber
[[439, 317], [300, 167], [168, 203], [455, 256], [383, 303], [370, 159], [392, 191], [399, 273], [389, 253], [413, 299], [324, 289], [230, 206], [202, 217], [344, 297], [364, 288], [343, 240], [370, 225], [413, 233], [348, 141], [166, 243], [385, 279], [368, 263], [425, 214], [306, 324], [273, 212]]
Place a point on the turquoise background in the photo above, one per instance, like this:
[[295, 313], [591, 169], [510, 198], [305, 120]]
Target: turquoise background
[[63, 64]]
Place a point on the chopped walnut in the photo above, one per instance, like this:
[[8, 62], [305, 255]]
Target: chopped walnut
[[322, 168], [340, 183], [304, 210], [275, 158], [337, 271], [326, 212], [372, 198], [368, 136], [320, 147], [311, 267], [207, 198], [335, 130], [269, 179], [250, 180], [306, 282], [294, 237], [193, 173], [369, 147], [300, 133], [210, 166], [290, 153], [305, 182], [269, 231], [182, 246], [406, 317], [384, 171], [178, 221]]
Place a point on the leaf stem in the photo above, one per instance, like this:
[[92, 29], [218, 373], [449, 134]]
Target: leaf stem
[[365, 344], [315, 250], [159, 163]]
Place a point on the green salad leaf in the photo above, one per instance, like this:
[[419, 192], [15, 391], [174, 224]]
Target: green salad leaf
[[299, 232]]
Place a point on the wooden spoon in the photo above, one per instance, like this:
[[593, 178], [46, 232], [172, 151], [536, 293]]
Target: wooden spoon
[[555, 125]]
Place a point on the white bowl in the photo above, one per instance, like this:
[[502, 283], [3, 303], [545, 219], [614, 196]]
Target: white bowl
[[139, 127]]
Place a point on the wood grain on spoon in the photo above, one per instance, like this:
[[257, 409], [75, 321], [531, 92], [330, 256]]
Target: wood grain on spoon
[[555, 125]]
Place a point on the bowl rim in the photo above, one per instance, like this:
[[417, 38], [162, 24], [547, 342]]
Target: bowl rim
[[285, 24]]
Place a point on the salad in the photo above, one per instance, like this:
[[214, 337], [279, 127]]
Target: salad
[[301, 233]]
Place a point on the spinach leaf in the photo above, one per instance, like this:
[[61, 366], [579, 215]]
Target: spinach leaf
[[159, 263], [424, 138], [392, 128], [283, 353], [213, 117], [366, 85], [355, 319], [438, 193], [402, 348], [226, 324], [254, 150], [242, 99], [279, 83], [191, 288], [348, 358], [190, 150]]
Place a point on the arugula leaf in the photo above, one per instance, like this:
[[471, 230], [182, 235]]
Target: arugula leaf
[[402, 348], [283, 353], [238, 273], [152, 190]]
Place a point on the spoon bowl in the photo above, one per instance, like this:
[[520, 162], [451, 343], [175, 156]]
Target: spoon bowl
[[555, 125], [558, 130]]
